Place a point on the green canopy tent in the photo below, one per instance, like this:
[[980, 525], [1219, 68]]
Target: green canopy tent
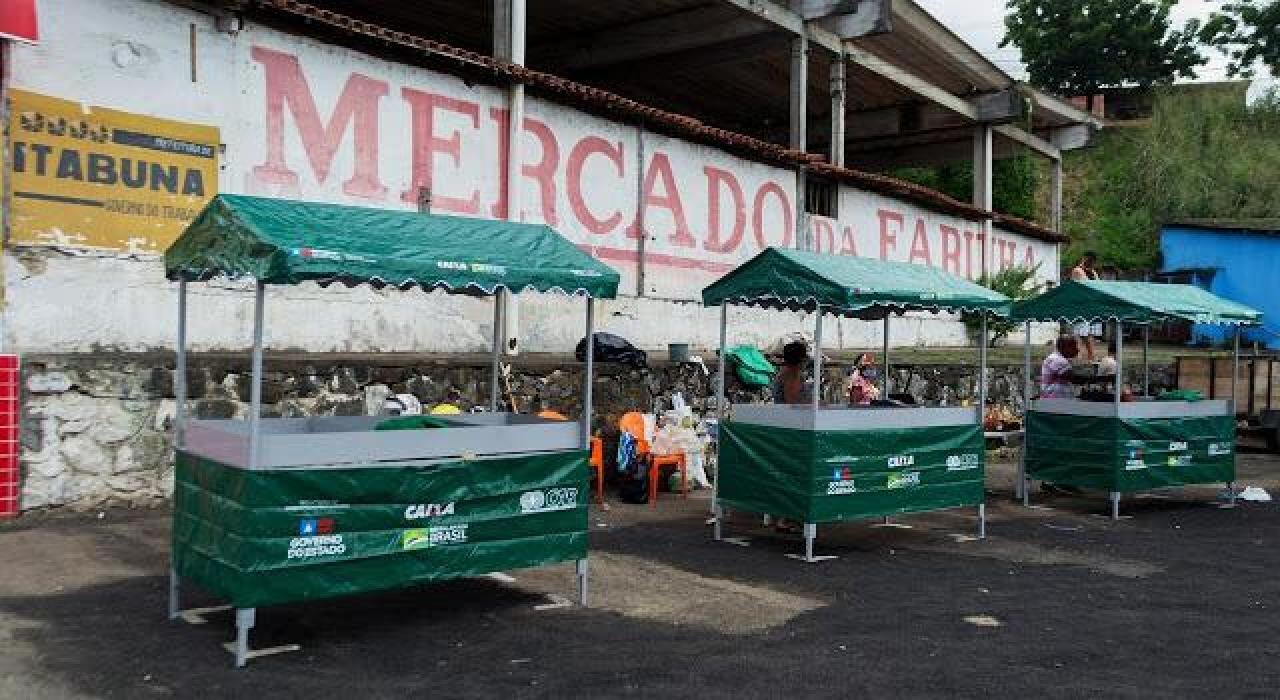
[[783, 279], [283, 242], [1141, 303]]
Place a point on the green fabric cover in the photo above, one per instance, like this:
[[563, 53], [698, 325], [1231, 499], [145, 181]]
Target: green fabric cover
[[1117, 454], [234, 530], [751, 366], [828, 476], [280, 241], [1135, 302], [781, 278], [1180, 395], [411, 423]]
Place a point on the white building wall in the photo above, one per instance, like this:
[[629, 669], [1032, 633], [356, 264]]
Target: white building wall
[[707, 210]]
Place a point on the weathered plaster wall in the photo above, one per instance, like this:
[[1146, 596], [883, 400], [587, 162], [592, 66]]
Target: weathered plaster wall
[[98, 428]]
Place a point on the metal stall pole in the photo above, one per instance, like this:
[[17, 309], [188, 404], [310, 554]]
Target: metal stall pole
[[1146, 359], [590, 368], [1119, 387], [716, 513], [496, 362], [817, 361], [811, 529], [245, 617], [982, 412], [884, 379], [255, 386], [179, 425], [1022, 488], [587, 409], [1231, 407]]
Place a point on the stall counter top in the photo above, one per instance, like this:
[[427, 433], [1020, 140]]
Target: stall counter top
[[1131, 409], [843, 417]]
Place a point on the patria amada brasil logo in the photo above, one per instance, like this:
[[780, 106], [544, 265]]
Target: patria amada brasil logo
[[841, 482]]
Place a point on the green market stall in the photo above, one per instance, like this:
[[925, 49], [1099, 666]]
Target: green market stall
[[823, 463], [1128, 446], [279, 510]]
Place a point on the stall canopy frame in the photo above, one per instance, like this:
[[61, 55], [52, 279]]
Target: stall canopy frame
[[864, 288], [287, 242], [1120, 302]]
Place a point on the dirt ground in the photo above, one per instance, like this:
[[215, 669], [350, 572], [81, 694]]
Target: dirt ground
[[1180, 598]]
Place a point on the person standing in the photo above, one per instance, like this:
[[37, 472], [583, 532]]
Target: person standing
[[789, 385], [1085, 270], [1055, 371], [862, 388]]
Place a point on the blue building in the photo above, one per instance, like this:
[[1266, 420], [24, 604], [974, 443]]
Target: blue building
[[1235, 259]]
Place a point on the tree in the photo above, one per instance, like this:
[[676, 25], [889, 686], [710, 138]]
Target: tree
[[1249, 32], [1077, 47], [1018, 283]]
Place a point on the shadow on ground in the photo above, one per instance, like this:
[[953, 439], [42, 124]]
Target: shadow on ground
[[1179, 599]]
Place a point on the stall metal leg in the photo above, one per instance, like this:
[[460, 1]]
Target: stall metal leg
[[982, 521], [175, 594], [1231, 493], [810, 534], [1026, 491], [717, 531], [581, 568], [1115, 505], [245, 619]]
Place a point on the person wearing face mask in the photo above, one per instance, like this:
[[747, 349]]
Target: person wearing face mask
[[863, 389]]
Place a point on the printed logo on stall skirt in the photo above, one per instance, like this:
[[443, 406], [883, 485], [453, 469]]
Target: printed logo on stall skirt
[[548, 500], [1218, 449], [903, 480], [309, 527], [841, 482], [424, 538], [421, 511], [964, 462]]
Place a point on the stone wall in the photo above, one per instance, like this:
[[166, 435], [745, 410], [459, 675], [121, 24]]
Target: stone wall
[[97, 429]]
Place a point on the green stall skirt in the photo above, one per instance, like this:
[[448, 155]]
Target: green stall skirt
[[273, 536], [1127, 454], [828, 476]]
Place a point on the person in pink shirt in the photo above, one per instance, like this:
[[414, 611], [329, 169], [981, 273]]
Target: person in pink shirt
[[1055, 372], [862, 388]]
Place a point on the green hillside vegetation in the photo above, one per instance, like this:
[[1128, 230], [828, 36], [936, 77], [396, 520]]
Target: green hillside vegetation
[[1203, 155]]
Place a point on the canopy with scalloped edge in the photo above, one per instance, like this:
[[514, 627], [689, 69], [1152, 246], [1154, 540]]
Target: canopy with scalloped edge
[[781, 278], [1133, 302], [280, 241]]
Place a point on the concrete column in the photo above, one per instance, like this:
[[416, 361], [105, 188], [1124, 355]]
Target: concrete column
[[1055, 195], [837, 110], [799, 131], [983, 138]]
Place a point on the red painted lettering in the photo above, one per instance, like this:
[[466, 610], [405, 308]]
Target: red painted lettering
[[544, 171], [425, 145], [660, 168], [1030, 259], [824, 234], [968, 254], [950, 249], [357, 106], [920, 244], [716, 242], [1008, 250], [848, 242], [889, 237], [577, 160], [757, 214]]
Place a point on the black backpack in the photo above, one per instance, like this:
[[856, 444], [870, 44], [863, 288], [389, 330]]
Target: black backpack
[[612, 348]]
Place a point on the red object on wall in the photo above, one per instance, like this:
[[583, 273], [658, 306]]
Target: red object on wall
[[19, 20], [9, 420]]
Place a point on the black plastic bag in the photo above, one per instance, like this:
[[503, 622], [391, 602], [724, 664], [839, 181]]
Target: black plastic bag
[[612, 348]]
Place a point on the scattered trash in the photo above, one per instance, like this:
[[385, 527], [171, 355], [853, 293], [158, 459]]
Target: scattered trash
[[984, 590], [1064, 528], [1255, 494], [521, 661], [983, 621]]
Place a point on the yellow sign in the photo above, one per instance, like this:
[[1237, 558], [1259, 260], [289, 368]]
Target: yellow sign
[[104, 179]]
